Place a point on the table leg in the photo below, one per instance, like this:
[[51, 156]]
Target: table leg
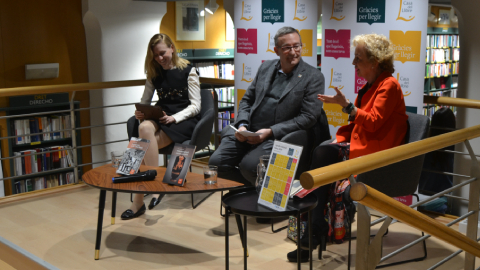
[[245, 242], [226, 240], [310, 237], [299, 258], [114, 206], [101, 208]]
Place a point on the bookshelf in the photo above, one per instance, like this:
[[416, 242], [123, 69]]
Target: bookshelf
[[216, 69], [441, 64], [41, 160], [224, 99]]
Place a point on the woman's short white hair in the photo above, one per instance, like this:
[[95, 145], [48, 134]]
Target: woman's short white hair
[[378, 48]]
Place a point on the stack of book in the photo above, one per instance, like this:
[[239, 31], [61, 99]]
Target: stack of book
[[36, 160], [217, 69], [54, 123], [49, 181], [226, 96]]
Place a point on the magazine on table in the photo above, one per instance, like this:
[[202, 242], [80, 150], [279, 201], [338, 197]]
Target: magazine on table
[[178, 164], [133, 156]]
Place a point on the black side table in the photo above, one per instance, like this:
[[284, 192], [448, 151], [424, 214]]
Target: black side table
[[245, 203]]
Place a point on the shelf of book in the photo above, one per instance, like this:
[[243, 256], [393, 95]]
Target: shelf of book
[[43, 157], [441, 64]]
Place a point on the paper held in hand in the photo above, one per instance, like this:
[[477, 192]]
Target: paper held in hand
[[133, 156], [246, 133]]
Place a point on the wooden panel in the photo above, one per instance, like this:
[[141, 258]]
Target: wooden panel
[[214, 29], [49, 31], [2, 68]]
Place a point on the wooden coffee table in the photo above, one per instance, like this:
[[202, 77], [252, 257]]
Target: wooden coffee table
[[101, 178]]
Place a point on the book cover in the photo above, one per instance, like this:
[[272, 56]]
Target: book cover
[[19, 130], [150, 112], [178, 164], [26, 130], [133, 156]]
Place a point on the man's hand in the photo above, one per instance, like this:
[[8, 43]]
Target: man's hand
[[266, 133], [239, 136]]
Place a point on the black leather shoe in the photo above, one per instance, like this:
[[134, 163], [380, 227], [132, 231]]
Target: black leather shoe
[[128, 214], [155, 201], [292, 256]]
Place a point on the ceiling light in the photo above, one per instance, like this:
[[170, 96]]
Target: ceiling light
[[453, 17], [212, 6], [431, 15]]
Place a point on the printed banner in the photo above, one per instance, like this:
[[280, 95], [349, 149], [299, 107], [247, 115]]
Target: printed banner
[[257, 22], [403, 22]]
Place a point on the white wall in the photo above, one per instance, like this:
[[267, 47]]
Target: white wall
[[117, 34], [468, 84]]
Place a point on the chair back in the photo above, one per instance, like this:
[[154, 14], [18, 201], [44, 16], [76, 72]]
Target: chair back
[[401, 178], [203, 130]]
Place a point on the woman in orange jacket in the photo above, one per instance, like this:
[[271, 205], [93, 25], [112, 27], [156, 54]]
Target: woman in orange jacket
[[377, 121]]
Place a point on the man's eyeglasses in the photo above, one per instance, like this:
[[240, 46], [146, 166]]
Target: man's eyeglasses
[[288, 48]]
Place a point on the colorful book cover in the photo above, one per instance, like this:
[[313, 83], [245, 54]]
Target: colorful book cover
[[133, 156], [178, 164]]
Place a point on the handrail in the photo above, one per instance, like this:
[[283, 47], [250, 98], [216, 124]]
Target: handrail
[[329, 174], [62, 88], [458, 102], [375, 199]]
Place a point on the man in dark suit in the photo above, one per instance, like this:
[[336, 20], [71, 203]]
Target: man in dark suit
[[281, 99]]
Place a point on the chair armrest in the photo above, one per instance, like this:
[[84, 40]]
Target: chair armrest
[[296, 137]]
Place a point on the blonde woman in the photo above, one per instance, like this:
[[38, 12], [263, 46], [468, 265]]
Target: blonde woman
[[178, 88]]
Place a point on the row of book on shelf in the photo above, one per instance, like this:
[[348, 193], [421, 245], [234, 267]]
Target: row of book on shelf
[[216, 69], [37, 160], [442, 83], [445, 69], [224, 119], [52, 180], [442, 55], [226, 96], [436, 41], [53, 123], [430, 110]]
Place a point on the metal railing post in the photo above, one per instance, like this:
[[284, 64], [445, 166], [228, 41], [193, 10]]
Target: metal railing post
[[474, 194], [74, 137]]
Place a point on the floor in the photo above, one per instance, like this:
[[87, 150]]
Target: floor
[[60, 229]]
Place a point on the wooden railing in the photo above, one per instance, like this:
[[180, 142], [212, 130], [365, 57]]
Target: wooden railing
[[63, 88], [376, 200], [342, 170]]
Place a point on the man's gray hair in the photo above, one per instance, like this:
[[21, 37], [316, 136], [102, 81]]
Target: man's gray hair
[[285, 31]]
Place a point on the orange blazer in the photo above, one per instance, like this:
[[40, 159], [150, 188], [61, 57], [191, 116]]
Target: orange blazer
[[380, 122]]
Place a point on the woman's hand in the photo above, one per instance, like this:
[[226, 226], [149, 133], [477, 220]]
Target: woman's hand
[[167, 119], [339, 98], [139, 115]]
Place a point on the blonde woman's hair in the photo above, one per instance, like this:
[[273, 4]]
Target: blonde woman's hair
[[378, 48], [152, 68]]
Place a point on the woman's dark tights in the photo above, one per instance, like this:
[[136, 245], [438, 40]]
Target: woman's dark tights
[[323, 155]]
